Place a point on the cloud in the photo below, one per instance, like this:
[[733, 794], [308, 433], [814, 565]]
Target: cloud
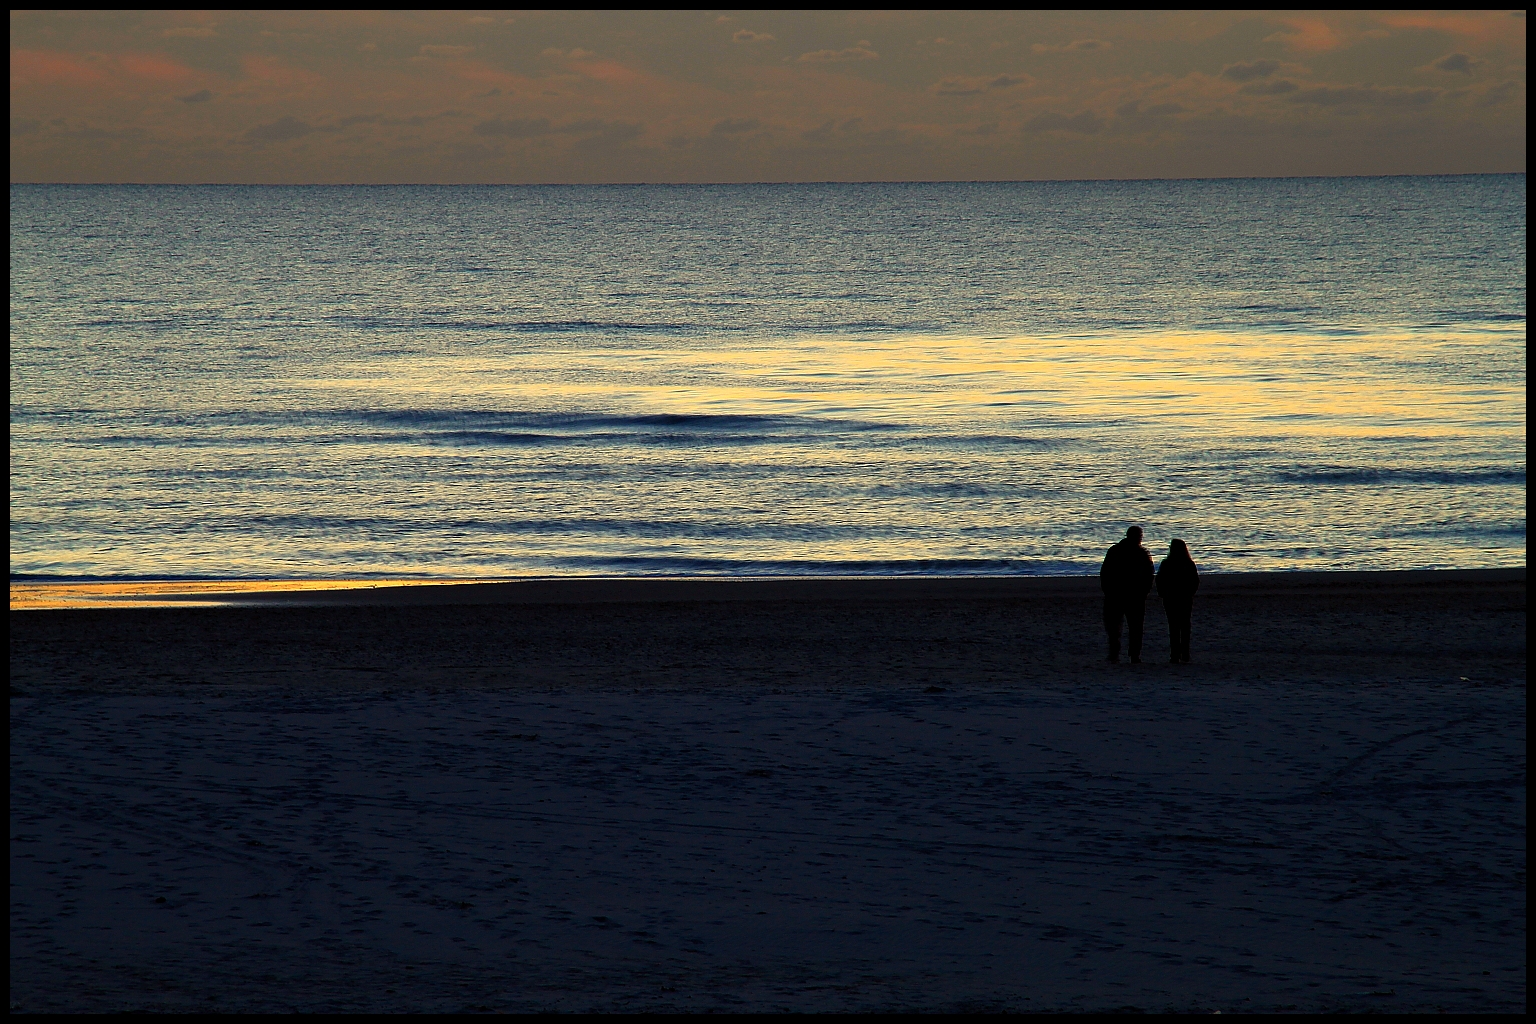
[[25, 126], [1499, 94], [597, 126], [151, 66], [1076, 44], [49, 67], [851, 135], [1276, 88], [1365, 95], [735, 126], [1306, 34], [1135, 109], [1082, 124], [99, 134], [1247, 71], [281, 130], [594, 129], [828, 130], [599, 134], [189, 32], [655, 112], [1456, 63], [961, 85], [518, 128], [415, 120], [858, 51]]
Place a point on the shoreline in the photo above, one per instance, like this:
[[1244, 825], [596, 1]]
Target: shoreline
[[1344, 627], [401, 592]]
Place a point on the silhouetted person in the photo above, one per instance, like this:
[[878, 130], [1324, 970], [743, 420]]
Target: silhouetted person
[[1126, 577], [1177, 581]]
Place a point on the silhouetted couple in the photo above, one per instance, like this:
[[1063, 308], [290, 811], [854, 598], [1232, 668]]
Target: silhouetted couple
[[1126, 577]]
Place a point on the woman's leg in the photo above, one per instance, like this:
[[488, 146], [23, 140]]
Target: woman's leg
[[1183, 612], [1171, 608]]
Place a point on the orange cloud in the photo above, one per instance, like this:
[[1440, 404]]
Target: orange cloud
[[161, 69], [273, 72], [46, 67], [1304, 34], [378, 95], [1473, 26], [859, 51], [484, 74], [611, 72]]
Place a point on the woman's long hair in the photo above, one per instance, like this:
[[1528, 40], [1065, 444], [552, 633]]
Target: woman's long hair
[[1178, 551]]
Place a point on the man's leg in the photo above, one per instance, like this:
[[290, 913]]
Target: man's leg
[[1135, 615], [1112, 615]]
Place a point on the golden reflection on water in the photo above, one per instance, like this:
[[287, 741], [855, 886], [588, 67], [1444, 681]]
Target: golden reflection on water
[[860, 451], [1202, 382], [182, 594]]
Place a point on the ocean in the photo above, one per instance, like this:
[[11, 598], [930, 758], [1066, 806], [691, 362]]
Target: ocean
[[851, 379]]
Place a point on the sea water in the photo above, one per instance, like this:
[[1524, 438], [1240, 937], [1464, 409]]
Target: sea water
[[246, 381]]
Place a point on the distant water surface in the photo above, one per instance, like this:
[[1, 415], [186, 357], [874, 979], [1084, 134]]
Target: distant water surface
[[757, 379]]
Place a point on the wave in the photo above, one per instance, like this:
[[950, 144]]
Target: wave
[[1478, 532], [1390, 475], [514, 428], [535, 419], [464, 427], [481, 437], [675, 565], [750, 321], [637, 566], [516, 326], [648, 529], [989, 441]]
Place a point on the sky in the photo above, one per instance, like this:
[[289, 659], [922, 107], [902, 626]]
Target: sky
[[532, 97]]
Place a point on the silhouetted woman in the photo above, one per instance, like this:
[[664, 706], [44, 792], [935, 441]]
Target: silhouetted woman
[[1177, 581]]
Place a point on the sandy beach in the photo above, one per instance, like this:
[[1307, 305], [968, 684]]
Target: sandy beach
[[777, 794]]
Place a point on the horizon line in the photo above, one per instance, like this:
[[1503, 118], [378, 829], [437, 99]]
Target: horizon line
[[821, 181]]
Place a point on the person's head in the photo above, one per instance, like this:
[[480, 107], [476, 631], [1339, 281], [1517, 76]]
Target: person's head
[[1133, 535], [1178, 549]]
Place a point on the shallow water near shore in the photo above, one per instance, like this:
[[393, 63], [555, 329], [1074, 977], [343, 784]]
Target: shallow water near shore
[[968, 379]]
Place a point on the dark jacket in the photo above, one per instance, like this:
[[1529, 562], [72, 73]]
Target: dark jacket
[[1127, 571], [1177, 580]]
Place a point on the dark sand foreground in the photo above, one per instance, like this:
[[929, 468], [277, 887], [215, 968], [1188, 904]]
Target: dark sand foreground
[[774, 794]]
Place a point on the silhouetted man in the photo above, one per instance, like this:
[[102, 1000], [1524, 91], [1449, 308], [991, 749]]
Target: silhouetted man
[[1126, 577]]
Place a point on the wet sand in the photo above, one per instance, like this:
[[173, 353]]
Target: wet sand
[[773, 794]]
